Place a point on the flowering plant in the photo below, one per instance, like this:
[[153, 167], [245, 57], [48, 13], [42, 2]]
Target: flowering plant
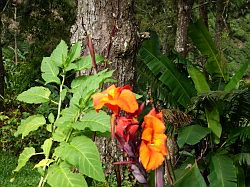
[[145, 143]]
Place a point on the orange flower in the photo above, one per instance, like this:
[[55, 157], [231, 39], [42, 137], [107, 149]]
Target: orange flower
[[153, 146], [116, 99]]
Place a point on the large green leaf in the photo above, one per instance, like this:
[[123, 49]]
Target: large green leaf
[[241, 177], [191, 135], [74, 53], [181, 87], [86, 62], [237, 77], [242, 158], [69, 114], [223, 172], [49, 71], [62, 176], [82, 153], [30, 124], [83, 87], [199, 80], [24, 157], [35, 95], [213, 120], [94, 121], [202, 39], [190, 178], [60, 53]]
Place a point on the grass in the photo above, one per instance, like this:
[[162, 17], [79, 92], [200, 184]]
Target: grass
[[24, 178]]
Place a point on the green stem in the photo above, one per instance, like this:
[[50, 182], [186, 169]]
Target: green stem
[[44, 177]]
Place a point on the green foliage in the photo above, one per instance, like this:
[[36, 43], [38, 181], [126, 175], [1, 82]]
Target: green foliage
[[199, 80], [220, 104], [216, 64], [191, 135], [32, 123], [67, 147], [35, 95], [223, 172], [166, 72], [50, 71], [24, 157], [61, 175], [100, 124], [82, 153], [191, 177], [213, 121], [243, 158], [234, 81]]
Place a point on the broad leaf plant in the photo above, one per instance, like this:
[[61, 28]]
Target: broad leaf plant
[[69, 153]]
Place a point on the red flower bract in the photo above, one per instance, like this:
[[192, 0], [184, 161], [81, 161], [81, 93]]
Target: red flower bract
[[153, 141], [126, 128], [115, 99]]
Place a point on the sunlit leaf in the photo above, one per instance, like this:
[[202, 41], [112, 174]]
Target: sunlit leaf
[[35, 95], [62, 176], [82, 153], [94, 121], [49, 71], [74, 53], [44, 162], [51, 118], [24, 157], [59, 55], [86, 62], [30, 124], [46, 147]]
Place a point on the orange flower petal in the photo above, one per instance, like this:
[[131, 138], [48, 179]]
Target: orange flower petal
[[144, 154], [160, 143], [153, 147], [154, 123], [147, 134], [156, 159], [99, 100], [115, 98], [127, 101]]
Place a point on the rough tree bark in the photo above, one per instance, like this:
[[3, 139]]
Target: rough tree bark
[[219, 22], [2, 5], [203, 11], [184, 13], [112, 26]]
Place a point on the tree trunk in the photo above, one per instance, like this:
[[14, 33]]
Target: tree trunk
[[184, 13], [112, 27], [219, 23], [203, 11], [2, 5]]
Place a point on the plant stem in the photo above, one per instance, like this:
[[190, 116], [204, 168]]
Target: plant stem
[[44, 177], [60, 98], [159, 177]]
